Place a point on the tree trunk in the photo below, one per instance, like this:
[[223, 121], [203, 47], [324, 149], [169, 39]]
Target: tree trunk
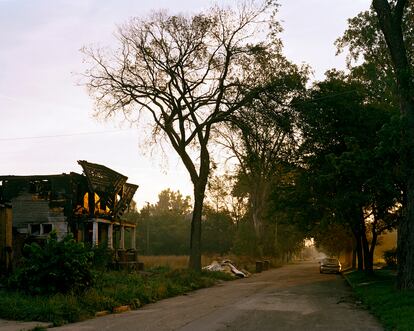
[[373, 244], [258, 196], [405, 249], [390, 20], [275, 242], [195, 241], [200, 184], [354, 257], [368, 257], [358, 248]]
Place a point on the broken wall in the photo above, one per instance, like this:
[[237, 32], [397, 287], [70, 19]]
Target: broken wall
[[33, 215]]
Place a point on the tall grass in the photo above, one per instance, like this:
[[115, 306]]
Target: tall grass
[[112, 289]]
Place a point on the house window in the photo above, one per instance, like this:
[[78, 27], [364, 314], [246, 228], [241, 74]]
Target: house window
[[47, 228], [35, 229]]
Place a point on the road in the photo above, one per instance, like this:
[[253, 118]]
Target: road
[[294, 297]]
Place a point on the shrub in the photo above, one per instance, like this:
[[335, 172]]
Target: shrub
[[102, 256], [390, 258], [57, 267]]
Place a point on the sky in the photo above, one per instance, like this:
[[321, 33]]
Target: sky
[[46, 116]]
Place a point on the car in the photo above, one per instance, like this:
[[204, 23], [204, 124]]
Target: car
[[330, 265]]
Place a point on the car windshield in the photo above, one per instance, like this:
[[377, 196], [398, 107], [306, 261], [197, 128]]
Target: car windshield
[[330, 261]]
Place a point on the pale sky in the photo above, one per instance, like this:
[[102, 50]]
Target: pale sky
[[40, 97]]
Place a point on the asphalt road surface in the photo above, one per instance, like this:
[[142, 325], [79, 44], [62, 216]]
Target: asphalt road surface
[[294, 297]]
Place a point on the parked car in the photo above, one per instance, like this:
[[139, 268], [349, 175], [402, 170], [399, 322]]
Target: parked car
[[330, 265]]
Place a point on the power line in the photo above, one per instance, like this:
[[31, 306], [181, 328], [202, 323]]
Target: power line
[[117, 131], [63, 135]]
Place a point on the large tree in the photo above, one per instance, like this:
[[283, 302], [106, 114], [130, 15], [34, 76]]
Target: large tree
[[384, 36], [261, 136], [187, 73], [345, 161], [390, 17]]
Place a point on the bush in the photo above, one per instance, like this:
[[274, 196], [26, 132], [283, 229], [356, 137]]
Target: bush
[[390, 258], [102, 256], [57, 267]]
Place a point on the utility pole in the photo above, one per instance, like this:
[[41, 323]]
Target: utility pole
[[148, 226]]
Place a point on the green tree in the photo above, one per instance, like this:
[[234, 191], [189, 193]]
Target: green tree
[[390, 17], [170, 202], [344, 158], [218, 232], [384, 37], [163, 227], [286, 225], [261, 136], [187, 73], [245, 240], [333, 239]]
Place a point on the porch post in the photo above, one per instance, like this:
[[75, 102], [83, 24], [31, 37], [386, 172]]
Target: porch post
[[110, 236], [122, 239], [95, 238], [133, 237]]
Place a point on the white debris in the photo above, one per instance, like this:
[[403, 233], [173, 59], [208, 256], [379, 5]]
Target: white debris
[[226, 266]]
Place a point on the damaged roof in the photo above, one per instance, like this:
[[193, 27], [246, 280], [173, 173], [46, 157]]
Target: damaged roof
[[105, 181], [102, 179]]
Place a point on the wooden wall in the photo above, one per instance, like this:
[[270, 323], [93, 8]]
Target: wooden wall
[[6, 226]]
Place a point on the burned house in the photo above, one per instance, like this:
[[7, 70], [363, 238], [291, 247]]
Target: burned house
[[88, 205]]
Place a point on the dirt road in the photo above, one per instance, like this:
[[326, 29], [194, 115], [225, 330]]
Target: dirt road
[[294, 297]]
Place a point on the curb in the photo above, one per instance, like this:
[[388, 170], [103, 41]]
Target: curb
[[6, 325], [121, 309], [102, 313], [344, 273]]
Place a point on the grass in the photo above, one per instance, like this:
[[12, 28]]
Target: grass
[[395, 309], [170, 261], [113, 289]]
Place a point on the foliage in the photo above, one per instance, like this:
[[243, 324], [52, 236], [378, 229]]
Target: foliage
[[286, 228], [112, 289], [102, 256], [384, 36], [394, 309], [364, 40], [245, 241], [345, 148], [333, 239], [171, 203], [390, 257], [57, 267], [218, 232], [165, 234], [222, 196], [261, 137], [163, 227]]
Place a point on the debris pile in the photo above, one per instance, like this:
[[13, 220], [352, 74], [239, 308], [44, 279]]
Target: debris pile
[[228, 267]]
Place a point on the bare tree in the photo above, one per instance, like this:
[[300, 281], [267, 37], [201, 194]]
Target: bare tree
[[188, 73], [390, 16]]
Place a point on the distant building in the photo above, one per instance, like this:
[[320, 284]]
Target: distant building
[[88, 205]]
